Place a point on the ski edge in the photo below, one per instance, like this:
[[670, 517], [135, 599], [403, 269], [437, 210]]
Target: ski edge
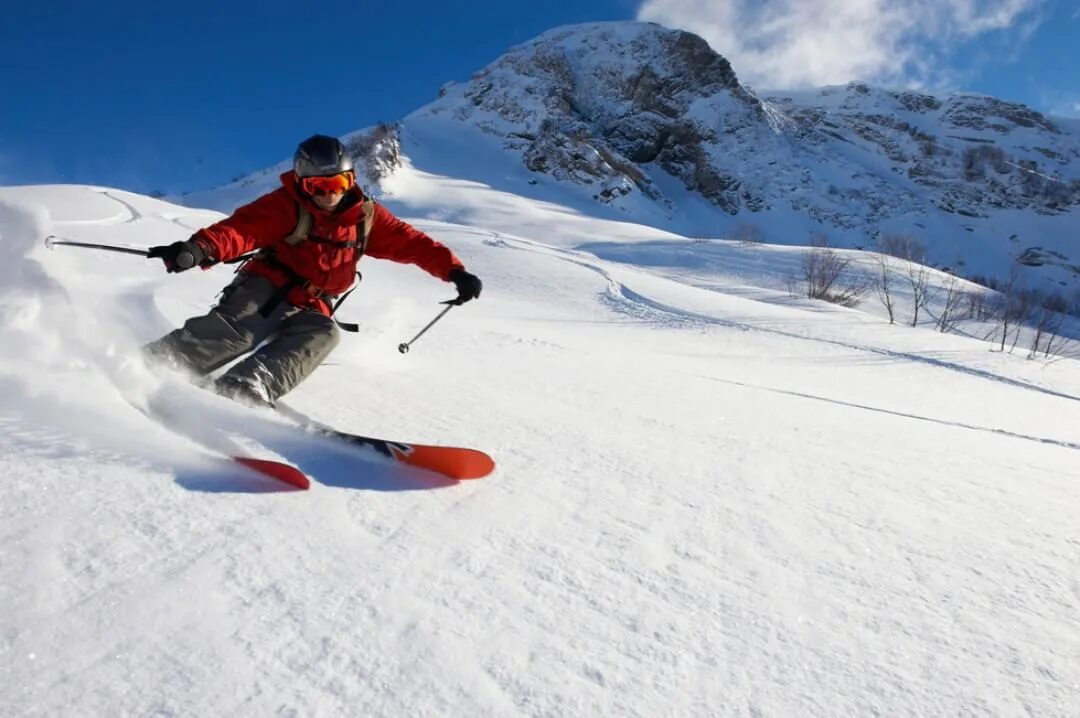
[[458, 463], [278, 470]]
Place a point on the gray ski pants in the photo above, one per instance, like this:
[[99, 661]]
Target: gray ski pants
[[297, 340]]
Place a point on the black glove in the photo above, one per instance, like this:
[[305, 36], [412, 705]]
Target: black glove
[[180, 256], [468, 286]]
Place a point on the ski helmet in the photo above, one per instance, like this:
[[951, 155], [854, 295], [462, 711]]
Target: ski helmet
[[321, 156]]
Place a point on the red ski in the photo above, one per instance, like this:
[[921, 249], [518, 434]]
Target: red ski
[[285, 473], [277, 470], [451, 461]]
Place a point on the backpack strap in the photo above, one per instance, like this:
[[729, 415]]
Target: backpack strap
[[300, 234], [363, 231], [303, 226]]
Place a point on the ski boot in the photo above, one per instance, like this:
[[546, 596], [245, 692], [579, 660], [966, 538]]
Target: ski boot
[[243, 391]]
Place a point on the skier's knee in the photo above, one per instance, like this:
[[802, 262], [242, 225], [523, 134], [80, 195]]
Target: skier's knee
[[333, 337]]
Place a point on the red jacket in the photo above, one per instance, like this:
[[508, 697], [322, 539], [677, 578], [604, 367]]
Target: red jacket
[[270, 218]]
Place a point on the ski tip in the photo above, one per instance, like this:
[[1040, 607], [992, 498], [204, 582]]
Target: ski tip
[[276, 470], [460, 464]]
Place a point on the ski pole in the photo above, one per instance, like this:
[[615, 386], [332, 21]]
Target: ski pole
[[404, 346], [53, 241]]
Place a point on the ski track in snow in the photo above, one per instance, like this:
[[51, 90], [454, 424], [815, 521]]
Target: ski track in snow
[[133, 214], [943, 422], [179, 222], [627, 301]]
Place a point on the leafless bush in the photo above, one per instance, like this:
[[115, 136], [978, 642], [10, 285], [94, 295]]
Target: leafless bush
[[1047, 318], [822, 268], [1014, 306], [918, 277], [1047, 325], [979, 308], [912, 251], [1023, 308], [884, 285], [950, 309]]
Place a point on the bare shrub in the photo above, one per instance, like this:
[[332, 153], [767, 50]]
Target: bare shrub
[[884, 286], [1023, 307], [1046, 315], [918, 277], [1015, 306], [794, 286], [979, 308], [953, 301], [912, 251], [1047, 325], [822, 268]]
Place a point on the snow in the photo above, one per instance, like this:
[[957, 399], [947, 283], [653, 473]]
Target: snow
[[711, 498]]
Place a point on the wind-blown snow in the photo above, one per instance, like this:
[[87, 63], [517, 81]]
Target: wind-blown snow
[[711, 498]]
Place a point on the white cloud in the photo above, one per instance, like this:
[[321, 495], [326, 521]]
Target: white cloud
[[794, 43]]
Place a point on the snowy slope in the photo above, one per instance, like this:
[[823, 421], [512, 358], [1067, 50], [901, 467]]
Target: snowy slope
[[711, 499]]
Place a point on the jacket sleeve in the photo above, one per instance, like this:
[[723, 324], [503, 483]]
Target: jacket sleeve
[[399, 241], [251, 227]]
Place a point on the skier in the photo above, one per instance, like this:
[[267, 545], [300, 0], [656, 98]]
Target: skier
[[310, 233]]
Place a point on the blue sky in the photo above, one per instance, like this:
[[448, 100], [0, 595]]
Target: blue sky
[[181, 96]]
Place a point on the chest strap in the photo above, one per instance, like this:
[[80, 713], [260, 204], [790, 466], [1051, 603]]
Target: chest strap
[[301, 233], [304, 221]]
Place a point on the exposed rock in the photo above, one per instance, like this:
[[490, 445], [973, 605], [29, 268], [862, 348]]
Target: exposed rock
[[976, 112], [377, 151], [573, 158]]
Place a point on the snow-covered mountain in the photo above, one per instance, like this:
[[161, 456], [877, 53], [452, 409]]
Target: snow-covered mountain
[[651, 125]]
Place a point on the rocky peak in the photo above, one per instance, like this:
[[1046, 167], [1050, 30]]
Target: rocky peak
[[979, 112], [593, 103]]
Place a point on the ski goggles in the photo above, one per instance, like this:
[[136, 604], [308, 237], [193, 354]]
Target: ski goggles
[[334, 184]]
